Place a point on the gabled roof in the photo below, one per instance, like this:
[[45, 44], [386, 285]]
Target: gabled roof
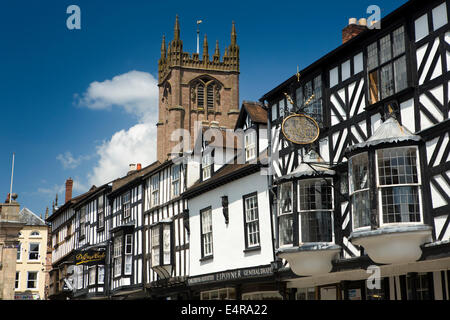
[[256, 112], [29, 218]]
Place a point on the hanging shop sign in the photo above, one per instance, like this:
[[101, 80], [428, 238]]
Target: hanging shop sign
[[90, 257], [300, 129]]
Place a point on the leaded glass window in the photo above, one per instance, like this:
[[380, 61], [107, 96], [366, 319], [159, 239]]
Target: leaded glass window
[[359, 190], [398, 179], [316, 208], [386, 65]]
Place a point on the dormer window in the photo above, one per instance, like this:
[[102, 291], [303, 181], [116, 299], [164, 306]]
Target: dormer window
[[206, 165], [250, 145]]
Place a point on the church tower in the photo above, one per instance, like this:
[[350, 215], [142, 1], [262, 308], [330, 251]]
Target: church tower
[[195, 90]]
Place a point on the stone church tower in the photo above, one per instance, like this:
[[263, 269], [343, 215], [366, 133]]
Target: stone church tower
[[193, 89]]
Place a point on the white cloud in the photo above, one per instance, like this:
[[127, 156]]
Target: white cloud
[[135, 145], [69, 161], [137, 93]]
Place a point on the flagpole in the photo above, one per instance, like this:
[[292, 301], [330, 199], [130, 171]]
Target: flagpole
[[12, 177], [198, 36]]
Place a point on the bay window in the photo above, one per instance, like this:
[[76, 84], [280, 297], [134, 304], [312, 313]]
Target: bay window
[[206, 165], [285, 212], [155, 246], [359, 190], [398, 182], [117, 256], [316, 209], [250, 145], [386, 65], [206, 232]]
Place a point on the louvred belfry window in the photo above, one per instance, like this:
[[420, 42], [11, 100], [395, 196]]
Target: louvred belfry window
[[205, 92], [162, 239]]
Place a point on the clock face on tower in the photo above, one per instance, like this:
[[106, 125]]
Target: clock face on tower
[[300, 129]]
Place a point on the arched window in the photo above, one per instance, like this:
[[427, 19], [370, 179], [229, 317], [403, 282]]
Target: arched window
[[205, 92], [35, 234]]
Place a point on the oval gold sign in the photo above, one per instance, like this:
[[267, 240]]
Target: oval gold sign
[[300, 129]]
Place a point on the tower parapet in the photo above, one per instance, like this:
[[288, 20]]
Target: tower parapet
[[173, 55]]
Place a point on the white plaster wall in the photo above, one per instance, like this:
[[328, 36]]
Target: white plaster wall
[[228, 240]]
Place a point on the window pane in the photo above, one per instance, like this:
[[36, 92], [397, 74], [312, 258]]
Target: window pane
[[400, 204], [361, 209], [315, 195], [372, 56], [399, 41], [316, 226], [285, 229], [400, 74], [385, 49], [359, 172], [387, 81], [251, 220], [397, 166], [286, 197]]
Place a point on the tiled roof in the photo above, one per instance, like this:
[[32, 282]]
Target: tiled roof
[[119, 183], [256, 111], [29, 218]]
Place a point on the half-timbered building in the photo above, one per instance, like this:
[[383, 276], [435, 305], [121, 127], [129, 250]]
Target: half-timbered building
[[371, 194], [92, 226]]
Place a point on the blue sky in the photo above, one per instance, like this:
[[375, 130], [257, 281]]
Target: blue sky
[[70, 99]]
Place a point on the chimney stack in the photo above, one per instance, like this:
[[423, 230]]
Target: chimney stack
[[69, 186], [353, 28], [132, 168], [139, 167]]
